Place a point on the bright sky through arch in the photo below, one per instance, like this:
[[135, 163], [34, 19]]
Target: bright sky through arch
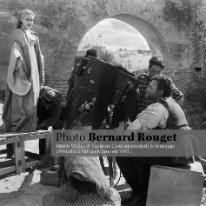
[[116, 34]]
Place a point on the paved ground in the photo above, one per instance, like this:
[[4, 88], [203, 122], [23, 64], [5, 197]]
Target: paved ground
[[23, 190]]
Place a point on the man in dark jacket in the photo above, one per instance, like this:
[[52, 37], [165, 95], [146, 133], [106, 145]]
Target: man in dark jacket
[[49, 109]]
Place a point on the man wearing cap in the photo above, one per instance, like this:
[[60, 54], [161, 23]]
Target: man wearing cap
[[48, 112], [156, 65]]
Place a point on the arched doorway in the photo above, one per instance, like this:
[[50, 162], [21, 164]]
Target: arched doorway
[[117, 42], [154, 39]]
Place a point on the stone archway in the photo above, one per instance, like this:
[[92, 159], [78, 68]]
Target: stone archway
[[154, 39]]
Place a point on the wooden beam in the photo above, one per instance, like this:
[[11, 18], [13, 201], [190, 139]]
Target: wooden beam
[[5, 140], [18, 139], [7, 170], [32, 155], [19, 155], [13, 134]]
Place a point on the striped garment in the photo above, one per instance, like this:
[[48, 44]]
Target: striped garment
[[94, 199], [143, 82]]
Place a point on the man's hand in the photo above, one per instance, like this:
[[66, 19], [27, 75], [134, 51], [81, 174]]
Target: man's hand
[[38, 127], [120, 129], [135, 125], [180, 101], [42, 126]]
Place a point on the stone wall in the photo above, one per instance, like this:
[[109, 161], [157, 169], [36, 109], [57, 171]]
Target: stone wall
[[174, 29]]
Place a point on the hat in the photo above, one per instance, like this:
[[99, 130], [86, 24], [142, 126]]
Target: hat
[[49, 95], [91, 52]]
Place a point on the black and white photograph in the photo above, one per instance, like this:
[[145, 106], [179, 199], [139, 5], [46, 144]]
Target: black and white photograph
[[102, 103]]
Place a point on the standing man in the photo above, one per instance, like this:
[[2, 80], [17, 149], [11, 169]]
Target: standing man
[[156, 65], [164, 113], [49, 109]]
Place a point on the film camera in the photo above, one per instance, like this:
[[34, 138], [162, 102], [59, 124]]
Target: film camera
[[104, 91]]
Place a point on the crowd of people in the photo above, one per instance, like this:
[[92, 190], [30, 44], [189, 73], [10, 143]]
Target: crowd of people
[[30, 106]]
